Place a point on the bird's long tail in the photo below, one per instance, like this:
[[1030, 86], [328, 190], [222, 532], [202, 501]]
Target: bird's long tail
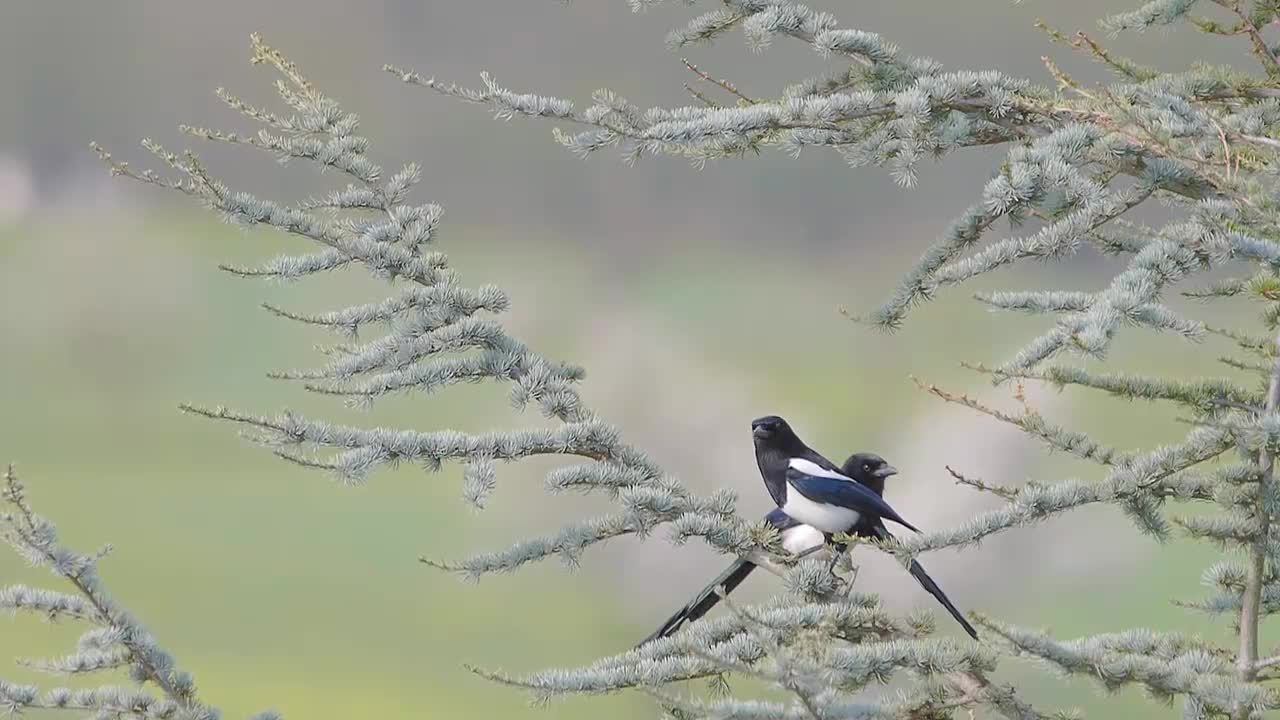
[[702, 603], [926, 582]]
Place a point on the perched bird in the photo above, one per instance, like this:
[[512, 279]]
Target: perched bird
[[796, 538], [809, 487], [871, 470]]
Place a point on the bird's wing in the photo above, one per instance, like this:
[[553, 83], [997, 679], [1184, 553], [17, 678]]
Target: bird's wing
[[931, 587], [780, 520], [831, 488]]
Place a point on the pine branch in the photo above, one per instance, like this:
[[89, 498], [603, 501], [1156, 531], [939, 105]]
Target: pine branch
[[1001, 491], [1145, 476], [434, 336], [118, 641], [1166, 666], [1260, 48], [1034, 424], [1208, 396]]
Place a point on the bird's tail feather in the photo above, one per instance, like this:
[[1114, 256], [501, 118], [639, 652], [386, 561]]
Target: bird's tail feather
[[917, 572], [702, 603]]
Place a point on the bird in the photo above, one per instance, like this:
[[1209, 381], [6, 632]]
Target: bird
[[868, 469], [874, 467], [812, 490], [809, 487], [865, 469]]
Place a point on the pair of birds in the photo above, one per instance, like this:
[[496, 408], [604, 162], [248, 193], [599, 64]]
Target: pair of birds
[[815, 500]]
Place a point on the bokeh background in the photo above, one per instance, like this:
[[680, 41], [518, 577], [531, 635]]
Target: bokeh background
[[681, 290]]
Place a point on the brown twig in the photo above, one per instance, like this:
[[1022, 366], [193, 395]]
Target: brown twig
[[701, 96], [1255, 36], [723, 84]]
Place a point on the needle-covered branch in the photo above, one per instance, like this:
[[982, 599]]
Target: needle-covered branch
[[436, 333], [1137, 485], [114, 641], [1165, 665]]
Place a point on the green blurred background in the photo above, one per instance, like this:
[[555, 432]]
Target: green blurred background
[[677, 288]]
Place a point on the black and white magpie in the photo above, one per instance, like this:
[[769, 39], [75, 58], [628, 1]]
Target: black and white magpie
[[809, 488], [867, 469], [796, 537], [868, 465]]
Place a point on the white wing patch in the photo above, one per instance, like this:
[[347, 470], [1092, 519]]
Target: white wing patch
[[809, 467], [796, 540], [827, 518]]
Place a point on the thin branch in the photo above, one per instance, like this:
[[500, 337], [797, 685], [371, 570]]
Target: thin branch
[[701, 97], [724, 84], [1005, 492], [1255, 36], [1259, 140], [1033, 424], [80, 575], [1267, 662]]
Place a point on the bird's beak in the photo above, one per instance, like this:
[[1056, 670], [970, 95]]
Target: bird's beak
[[885, 471], [760, 431]]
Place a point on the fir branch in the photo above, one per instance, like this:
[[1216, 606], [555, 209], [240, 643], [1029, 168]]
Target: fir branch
[[35, 539], [1209, 396], [52, 605], [1143, 476], [1261, 50], [1166, 667], [1034, 424], [1006, 493], [105, 701]]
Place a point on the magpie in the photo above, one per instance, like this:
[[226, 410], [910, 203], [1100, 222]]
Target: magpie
[[809, 487], [812, 490], [869, 470]]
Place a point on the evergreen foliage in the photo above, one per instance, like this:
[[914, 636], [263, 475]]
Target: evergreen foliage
[[1199, 141], [113, 641]]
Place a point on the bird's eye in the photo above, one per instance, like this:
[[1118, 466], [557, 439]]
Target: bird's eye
[[866, 466]]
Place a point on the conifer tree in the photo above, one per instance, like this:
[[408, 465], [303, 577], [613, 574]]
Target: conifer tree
[[1078, 158], [1200, 141]]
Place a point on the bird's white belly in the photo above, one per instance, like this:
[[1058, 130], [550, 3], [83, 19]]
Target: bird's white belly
[[827, 518], [796, 540]]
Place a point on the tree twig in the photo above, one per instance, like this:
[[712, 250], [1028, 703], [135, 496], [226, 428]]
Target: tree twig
[[1005, 492], [724, 84]]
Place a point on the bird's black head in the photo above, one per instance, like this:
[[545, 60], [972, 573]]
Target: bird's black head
[[869, 469], [772, 431]]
